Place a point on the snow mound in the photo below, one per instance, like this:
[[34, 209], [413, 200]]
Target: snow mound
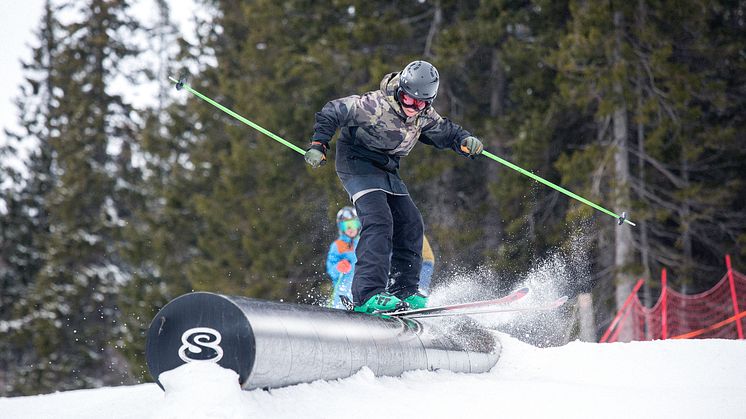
[[202, 390]]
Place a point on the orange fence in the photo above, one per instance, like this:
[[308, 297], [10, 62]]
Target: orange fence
[[715, 313]]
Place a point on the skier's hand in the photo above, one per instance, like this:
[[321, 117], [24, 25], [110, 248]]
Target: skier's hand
[[344, 266], [316, 154], [471, 146]]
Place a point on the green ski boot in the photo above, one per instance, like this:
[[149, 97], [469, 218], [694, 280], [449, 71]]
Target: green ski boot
[[381, 303], [416, 301]]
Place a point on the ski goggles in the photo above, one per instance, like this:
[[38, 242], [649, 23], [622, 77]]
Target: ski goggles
[[349, 224], [410, 102]]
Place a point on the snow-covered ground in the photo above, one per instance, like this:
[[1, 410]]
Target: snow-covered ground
[[661, 379]]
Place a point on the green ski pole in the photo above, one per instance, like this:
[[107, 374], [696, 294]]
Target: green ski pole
[[620, 218], [180, 84]]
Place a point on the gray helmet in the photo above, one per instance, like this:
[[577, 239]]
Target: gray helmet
[[346, 213], [420, 80]]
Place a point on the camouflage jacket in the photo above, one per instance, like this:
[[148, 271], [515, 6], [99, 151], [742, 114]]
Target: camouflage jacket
[[375, 133]]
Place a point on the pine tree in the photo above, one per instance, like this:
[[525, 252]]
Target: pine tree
[[596, 66], [159, 237], [503, 90], [646, 64], [72, 311], [23, 242], [25, 226], [694, 144]]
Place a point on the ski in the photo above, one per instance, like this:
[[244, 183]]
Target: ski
[[513, 296], [491, 310]]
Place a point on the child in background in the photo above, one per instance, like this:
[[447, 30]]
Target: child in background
[[341, 259]]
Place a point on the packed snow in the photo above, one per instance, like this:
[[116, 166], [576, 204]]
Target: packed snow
[[659, 379]]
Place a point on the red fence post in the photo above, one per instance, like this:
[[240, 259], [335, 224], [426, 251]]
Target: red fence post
[[621, 311], [739, 326], [664, 305]]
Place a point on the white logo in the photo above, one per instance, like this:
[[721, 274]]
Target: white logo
[[197, 340]]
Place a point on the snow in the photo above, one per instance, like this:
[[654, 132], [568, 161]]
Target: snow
[[659, 379]]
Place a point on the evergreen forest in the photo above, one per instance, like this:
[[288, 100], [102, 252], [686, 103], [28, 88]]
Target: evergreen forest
[[119, 207]]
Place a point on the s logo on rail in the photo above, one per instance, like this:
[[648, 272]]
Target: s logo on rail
[[201, 344]]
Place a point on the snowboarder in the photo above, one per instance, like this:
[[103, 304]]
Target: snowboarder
[[378, 128], [341, 259]]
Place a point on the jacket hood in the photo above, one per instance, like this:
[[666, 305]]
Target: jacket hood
[[389, 84]]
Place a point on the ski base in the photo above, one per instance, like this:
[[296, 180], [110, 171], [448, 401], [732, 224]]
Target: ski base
[[513, 296], [492, 310]]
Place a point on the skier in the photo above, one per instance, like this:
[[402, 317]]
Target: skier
[[378, 128], [341, 258]]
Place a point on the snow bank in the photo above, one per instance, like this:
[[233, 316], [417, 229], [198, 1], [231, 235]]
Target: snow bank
[[202, 390], [661, 379]]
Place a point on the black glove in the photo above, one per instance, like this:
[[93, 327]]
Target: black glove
[[316, 154], [471, 146]]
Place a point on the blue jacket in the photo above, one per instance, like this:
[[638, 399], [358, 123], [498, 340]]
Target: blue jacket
[[342, 248]]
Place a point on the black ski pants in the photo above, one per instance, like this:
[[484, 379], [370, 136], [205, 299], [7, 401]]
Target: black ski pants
[[389, 253]]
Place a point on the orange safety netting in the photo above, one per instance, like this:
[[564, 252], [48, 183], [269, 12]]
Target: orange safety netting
[[710, 314]]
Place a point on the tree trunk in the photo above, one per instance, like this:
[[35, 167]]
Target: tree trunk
[[686, 270], [497, 84], [642, 224], [686, 232], [623, 239], [585, 318], [434, 29]]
